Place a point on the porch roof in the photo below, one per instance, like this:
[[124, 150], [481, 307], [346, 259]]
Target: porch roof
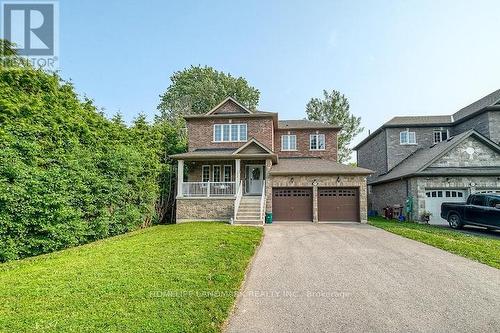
[[204, 154]]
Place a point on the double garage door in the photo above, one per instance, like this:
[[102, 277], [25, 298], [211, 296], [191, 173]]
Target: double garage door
[[334, 204]]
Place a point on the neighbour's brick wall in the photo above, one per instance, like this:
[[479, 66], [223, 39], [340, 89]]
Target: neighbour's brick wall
[[322, 181], [458, 157], [387, 194], [480, 123], [373, 155], [494, 126], [397, 152], [204, 209], [330, 152], [201, 131]]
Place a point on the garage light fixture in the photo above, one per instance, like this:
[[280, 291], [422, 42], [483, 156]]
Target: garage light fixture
[[315, 182], [291, 180], [472, 184], [338, 179]]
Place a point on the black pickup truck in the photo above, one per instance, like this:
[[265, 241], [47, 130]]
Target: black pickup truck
[[480, 209]]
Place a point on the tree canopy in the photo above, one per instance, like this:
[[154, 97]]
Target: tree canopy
[[196, 90], [333, 109], [68, 175]]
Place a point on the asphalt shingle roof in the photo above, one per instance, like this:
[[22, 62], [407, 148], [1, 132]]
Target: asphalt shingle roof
[[295, 124], [491, 99], [419, 120]]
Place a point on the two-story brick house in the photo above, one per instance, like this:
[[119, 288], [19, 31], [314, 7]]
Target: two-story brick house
[[242, 163], [434, 159]]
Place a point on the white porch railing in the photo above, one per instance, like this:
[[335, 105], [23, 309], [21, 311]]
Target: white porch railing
[[237, 201], [208, 189], [263, 201]]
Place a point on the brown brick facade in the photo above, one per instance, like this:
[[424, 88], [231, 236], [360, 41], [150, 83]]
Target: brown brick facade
[[201, 132], [330, 152]]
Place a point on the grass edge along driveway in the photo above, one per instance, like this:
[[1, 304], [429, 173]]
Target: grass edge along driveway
[[483, 249], [176, 278]]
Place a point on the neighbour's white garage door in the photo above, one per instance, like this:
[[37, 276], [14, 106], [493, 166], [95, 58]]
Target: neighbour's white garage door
[[434, 199]]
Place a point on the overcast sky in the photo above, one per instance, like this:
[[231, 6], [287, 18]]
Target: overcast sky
[[388, 57]]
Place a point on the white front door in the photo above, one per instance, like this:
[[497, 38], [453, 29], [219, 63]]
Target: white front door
[[434, 199], [255, 178]]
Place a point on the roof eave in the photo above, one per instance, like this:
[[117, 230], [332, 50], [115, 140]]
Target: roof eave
[[211, 157], [231, 115], [319, 173]]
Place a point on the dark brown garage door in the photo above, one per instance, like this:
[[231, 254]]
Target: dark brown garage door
[[292, 204], [338, 204]]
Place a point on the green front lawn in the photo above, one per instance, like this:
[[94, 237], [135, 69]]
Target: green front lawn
[[480, 248], [178, 278]]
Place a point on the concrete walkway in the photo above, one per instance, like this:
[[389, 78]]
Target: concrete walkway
[[357, 278]]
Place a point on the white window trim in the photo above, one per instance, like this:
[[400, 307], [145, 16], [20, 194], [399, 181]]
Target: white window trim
[[317, 135], [440, 131], [288, 136], [230, 134], [408, 143], [202, 168], [213, 173], [230, 173]]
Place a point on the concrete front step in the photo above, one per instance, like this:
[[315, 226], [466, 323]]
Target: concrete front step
[[245, 208], [250, 222], [248, 216]]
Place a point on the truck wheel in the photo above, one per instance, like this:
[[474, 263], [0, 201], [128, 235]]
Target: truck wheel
[[454, 221]]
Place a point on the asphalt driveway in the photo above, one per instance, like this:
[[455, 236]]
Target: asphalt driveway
[[357, 278]]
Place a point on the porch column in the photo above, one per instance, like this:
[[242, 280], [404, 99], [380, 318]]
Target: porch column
[[180, 177], [237, 174]]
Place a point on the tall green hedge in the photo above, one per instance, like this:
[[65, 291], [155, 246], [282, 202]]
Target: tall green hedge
[[68, 175]]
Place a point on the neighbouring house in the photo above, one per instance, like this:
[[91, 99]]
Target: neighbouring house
[[434, 159], [241, 164]]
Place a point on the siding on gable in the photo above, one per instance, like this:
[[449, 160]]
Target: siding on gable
[[230, 107]]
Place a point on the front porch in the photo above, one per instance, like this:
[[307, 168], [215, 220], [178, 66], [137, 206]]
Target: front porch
[[205, 179], [223, 184]]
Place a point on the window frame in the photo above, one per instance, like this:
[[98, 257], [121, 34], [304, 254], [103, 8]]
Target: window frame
[[203, 167], [317, 135], [213, 173], [440, 131], [230, 173], [408, 133], [229, 127], [288, 136]]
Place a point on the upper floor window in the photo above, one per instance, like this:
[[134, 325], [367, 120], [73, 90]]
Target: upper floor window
[[230, 132], [440, 135], [407, 138], [288, 142], [317, 142]]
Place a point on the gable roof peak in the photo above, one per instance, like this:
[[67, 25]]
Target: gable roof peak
[[226, 100], [250, 142]]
